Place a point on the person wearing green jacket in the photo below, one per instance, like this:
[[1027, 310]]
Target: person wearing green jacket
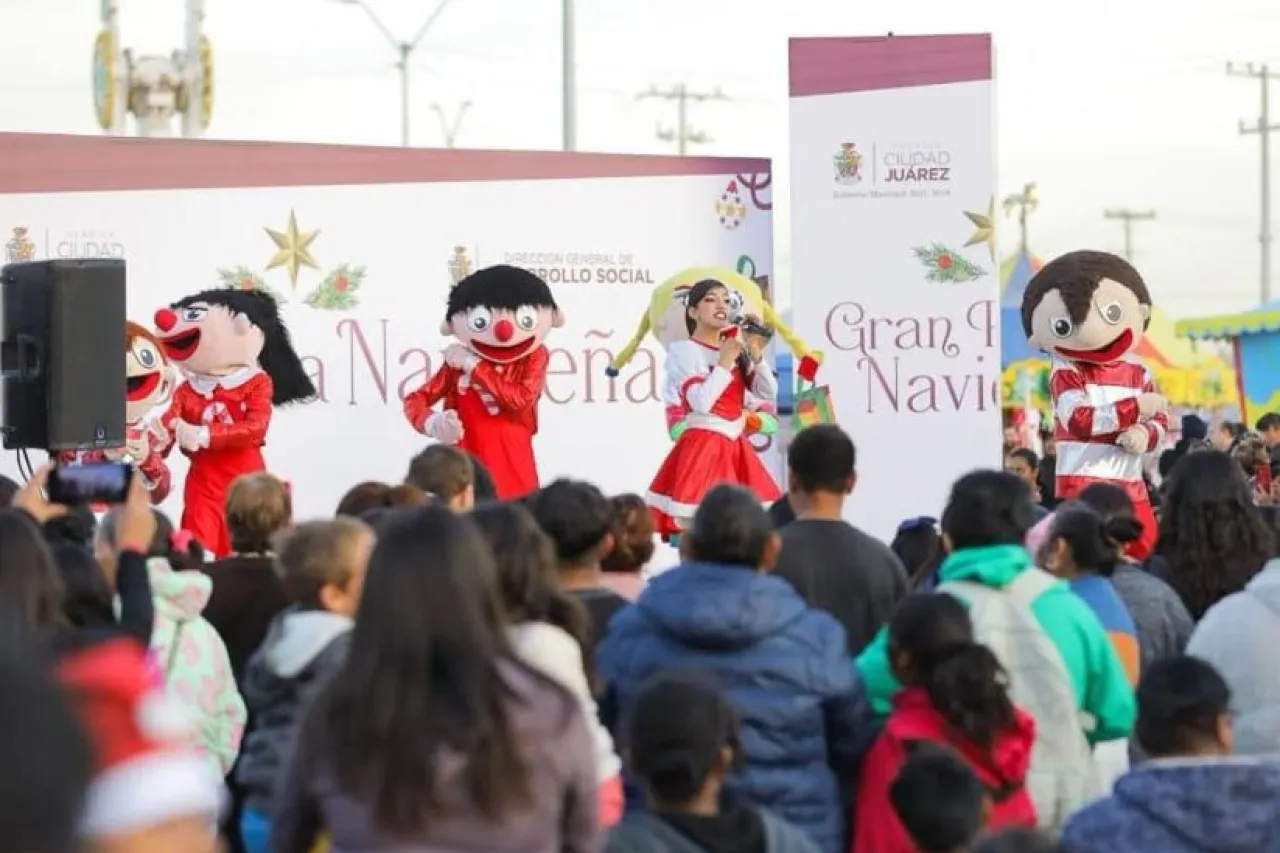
[[984, 525]]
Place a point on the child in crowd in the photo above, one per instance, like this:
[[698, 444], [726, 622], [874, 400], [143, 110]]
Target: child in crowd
[[1082, 548], [371, 496], [633, 547], [580, 521], [954, 693], [681, 760], [919, 546], [322, 565], [548, 628], [939, 805], [1194, 795], [192, 659], [445, 472]]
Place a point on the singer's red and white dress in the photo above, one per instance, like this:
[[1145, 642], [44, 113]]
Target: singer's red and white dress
[[713, 448]]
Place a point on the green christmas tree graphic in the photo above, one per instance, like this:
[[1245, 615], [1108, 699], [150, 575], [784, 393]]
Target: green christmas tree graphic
[[947, 266]]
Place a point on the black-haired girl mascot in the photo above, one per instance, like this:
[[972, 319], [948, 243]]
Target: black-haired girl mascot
[[238, 362], [492, 378]]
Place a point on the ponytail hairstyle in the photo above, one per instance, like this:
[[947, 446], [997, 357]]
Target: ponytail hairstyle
[[179, 547], [1095, 541], [931, 643]]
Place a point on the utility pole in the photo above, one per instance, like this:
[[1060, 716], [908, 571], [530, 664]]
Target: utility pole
[[449, 129], [1263, 128], [404, 52], [682, 134], [1025, 203], [1127, 217], [568, 78]]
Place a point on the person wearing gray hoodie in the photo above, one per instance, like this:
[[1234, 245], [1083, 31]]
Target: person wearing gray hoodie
[[322, 564]]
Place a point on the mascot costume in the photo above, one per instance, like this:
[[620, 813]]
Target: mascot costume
[[238, 362], [148, 382], [665, 320], [1088, 311], [712, 410], [492, 377]]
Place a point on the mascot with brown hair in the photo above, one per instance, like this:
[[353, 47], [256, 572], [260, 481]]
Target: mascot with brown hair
[[1088, 310], [148, 381], [237, 359]]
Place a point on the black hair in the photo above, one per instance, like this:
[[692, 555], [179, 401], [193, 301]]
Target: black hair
[[987, 508], [919, 547], [40, 733], [483, 488], [822, 459], [161, 543], [1107, 499], [696, 294], [963, 678], [937, 798], [1094, 540], [503, 287], [88, 600], [1180, 701], [576, 515], [1269, 421], [1211, 533], [1018, 840], [1027, 455], [673, 754], [278, 359], [9, 488], [427, 675], [76, 526], [30, 584], [730, 528]]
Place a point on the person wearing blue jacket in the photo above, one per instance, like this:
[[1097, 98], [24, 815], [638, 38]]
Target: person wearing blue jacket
[[720, 615]]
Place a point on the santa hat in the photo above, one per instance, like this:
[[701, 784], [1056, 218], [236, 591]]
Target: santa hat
[[148, 770]]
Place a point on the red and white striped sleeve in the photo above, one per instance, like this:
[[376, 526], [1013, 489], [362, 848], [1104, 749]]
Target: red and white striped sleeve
[[1074, 413], [1158, 425]]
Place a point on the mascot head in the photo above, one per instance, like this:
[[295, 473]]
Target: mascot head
[[501, 313], [1086, 306], [665, 318], [218, 332], [148, 376]]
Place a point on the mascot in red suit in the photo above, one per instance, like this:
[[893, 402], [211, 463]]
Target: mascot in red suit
[[492, 378], [1088, 311], [148, 382], [238, 362]]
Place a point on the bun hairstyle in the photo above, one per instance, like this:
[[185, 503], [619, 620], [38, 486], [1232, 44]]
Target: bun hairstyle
[[1095, 541], [675, 753], [962, 677]]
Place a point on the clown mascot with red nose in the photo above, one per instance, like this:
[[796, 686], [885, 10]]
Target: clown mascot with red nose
[[1088, 310], [234, 352], [492, 377]]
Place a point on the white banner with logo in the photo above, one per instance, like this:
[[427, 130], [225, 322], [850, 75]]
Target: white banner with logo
[[364, 296], [894, 258]]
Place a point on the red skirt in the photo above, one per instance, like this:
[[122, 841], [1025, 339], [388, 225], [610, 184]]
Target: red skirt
[[699, 461]]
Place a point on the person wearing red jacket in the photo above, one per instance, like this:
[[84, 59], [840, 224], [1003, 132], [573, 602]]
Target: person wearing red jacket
[[238, 362], [954, 696], [493, 376]]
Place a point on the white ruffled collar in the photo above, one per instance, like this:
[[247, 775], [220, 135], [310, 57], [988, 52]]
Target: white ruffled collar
[[206, 385]]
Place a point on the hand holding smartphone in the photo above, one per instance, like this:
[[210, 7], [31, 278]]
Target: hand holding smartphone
[[91, 483]]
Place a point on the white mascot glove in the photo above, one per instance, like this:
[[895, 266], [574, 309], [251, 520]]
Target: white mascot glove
[[1134, 439], [1150, 405], [190, 437], [460, 358], [444, 427]]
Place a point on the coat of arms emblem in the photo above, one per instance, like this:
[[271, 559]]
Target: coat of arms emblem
[[848, 164], [20, 249]]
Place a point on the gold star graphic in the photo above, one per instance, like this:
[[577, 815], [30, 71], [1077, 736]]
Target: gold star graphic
[[985, 232], [293, 249]]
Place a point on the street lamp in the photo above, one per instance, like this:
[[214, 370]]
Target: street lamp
[[404, 50]]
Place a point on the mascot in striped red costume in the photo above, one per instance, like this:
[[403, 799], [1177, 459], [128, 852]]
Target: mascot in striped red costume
[[1088, 311]]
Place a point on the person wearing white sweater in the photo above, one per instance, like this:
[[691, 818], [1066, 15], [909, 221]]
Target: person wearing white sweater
[[547, 628]]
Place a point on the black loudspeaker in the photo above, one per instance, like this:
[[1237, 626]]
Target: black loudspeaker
[[62, 354]]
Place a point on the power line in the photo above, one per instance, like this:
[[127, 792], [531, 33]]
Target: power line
[[1262, 127], [1127, 217], [682, 134]]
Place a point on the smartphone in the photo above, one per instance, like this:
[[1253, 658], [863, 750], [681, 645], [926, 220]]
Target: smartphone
[[92, 483], [1262, 478]]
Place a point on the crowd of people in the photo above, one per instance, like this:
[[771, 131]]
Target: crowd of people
[[435, 670]]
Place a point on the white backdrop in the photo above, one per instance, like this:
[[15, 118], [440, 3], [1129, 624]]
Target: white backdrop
[[913, 364], [576, 232]]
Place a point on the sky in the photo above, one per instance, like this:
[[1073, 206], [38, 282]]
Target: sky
[[1102, 103]]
